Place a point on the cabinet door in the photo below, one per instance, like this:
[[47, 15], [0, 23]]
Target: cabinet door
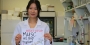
[[8, 25], [6, 39], [60, 25], [47, 14]]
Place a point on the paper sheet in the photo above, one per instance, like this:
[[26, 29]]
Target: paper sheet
[[32, 37]]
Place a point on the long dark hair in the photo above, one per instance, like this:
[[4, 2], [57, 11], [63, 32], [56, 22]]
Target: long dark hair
[[37, 5]]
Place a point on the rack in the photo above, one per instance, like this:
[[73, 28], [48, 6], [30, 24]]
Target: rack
[[79, 6], [81, 9]]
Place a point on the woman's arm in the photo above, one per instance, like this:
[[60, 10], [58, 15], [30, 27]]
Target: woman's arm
[[48, 38], [18, 44], [16, 31]]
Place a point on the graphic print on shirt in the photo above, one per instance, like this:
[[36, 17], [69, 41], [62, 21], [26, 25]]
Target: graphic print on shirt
[[32, 37]]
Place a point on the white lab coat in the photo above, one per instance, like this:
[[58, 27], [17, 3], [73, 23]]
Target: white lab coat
[[24, 24]]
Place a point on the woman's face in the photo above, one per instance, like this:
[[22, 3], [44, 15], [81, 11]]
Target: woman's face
[[32, 11]]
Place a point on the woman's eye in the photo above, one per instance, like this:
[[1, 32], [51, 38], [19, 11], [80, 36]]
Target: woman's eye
[[30, 8], [35, 8]]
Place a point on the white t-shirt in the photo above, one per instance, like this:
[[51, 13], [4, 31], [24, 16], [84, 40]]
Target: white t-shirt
[[24, 25]]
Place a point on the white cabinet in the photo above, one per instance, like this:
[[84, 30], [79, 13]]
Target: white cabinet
[[60, 26], [8, 25], [47, 14], [7, 29], [42, 14], [6, 39]]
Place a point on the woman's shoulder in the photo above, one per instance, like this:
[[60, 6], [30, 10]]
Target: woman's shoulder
[[22, 23], [44, 23]]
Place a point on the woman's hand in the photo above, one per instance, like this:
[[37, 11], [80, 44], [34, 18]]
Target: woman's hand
[[17, 39], [48, 36]]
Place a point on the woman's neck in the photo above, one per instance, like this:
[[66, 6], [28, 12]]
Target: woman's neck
[[32, 20]]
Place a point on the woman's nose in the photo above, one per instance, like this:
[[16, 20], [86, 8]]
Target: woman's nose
[[33, 10]]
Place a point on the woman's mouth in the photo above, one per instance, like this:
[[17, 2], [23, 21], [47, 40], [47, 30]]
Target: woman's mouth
[[32, 14]]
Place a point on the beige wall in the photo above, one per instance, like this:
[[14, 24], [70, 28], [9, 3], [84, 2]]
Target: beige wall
[[11, 4], [0, 6]]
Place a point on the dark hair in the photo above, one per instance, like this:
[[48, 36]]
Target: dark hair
[[37, 5]]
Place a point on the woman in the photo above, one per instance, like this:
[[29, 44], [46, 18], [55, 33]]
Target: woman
[[33, 21]]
